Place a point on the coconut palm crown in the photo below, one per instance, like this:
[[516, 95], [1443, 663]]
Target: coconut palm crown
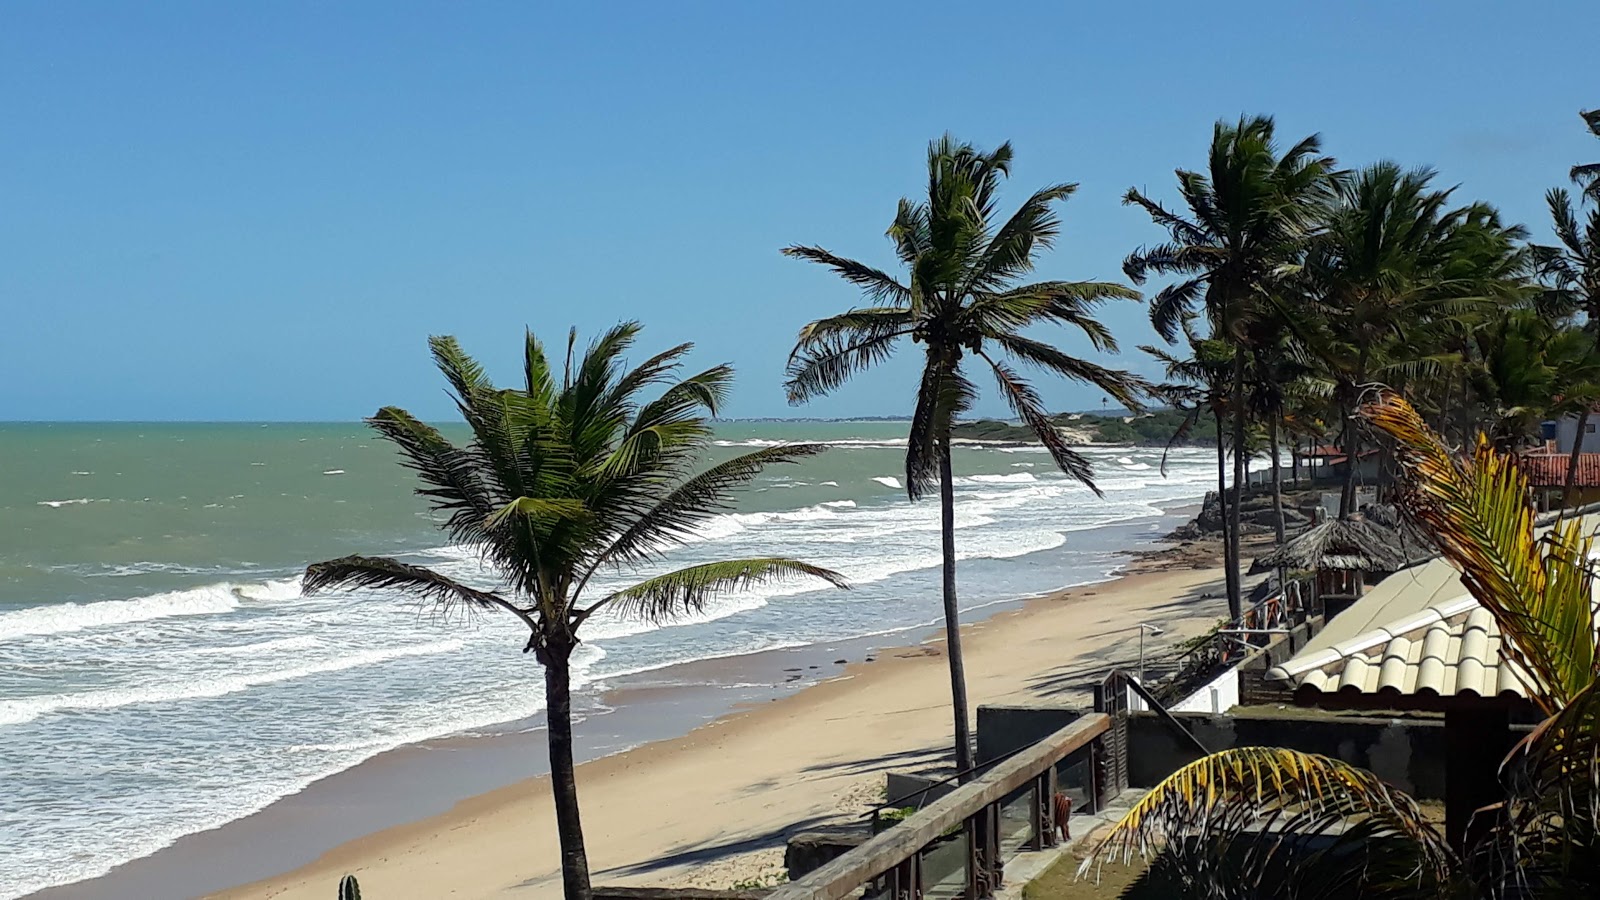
[[590, 468], [1248, 216], [963, 301]]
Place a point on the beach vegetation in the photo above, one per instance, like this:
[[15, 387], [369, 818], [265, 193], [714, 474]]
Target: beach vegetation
[[1296, 824], [963, 300], [589, 466]]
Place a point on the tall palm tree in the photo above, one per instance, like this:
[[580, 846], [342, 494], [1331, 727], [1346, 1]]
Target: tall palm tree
[[1587, 175], [1249, 214], [1572, 270], [576, 472], [962, 302], [1391, 259], [1234, 819]]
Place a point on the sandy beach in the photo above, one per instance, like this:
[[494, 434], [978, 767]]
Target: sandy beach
[[712, 808]]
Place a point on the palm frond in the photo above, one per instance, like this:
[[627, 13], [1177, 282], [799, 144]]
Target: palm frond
[[879, 285], [452, 482], [1239, 818], [1479, 512], [1024, 401], [1128, 389], [688, 590], [1548, 843], [675, 516], [826, 365], [382, 573], [942, 396]]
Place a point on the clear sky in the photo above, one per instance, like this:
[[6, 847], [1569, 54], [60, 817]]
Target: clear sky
[[261, 210]]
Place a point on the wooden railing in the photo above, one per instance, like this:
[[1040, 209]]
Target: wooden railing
[[914, 857]]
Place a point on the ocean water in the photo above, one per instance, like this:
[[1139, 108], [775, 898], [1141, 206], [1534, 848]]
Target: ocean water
[[161, 673]]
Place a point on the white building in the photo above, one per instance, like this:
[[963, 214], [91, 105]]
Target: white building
[[1566, 432]]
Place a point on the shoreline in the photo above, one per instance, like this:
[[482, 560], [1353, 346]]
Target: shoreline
[[461, 778]]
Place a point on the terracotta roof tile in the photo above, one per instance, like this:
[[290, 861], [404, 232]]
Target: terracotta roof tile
[[1550, 469]]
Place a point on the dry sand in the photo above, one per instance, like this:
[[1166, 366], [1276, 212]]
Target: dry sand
[[713, 808]]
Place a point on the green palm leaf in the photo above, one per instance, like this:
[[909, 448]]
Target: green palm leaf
[[688, 590]]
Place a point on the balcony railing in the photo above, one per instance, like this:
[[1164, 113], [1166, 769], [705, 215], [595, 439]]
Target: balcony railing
[[956, 845]]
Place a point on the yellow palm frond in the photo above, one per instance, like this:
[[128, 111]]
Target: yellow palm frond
[[1280, 820], [1479, 512]]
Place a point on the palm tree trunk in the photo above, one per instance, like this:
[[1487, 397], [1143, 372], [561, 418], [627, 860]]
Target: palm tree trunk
[[1352, 438], [952, 616], [1572, 462], [1229, 570], [1352, 450], [1235, 594], [563, 776], [1277, 479]]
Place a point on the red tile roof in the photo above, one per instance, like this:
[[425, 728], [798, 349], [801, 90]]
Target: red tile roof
[[1550, 469], [1333, 454]]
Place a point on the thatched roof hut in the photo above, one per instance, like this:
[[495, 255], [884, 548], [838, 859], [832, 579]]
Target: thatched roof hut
[[1355, 544]]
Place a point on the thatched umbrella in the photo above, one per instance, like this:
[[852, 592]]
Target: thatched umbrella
[[1351, 544], [1341, 552]]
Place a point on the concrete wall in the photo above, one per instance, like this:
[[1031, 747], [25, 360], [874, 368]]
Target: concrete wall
[[1221, 695], [1567, 433], [1005, 729], [1407, 753]]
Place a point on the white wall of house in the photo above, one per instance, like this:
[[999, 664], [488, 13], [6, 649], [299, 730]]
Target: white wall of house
[[1567, 433]]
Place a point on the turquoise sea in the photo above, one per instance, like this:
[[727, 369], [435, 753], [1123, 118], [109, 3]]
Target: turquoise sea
[[160, 672]]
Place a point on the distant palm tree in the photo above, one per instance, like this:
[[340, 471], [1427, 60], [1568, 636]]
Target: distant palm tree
[[961, 301], [573, 473], [1249, 214], [1588, 174], [1269, 821], [1572, 270]]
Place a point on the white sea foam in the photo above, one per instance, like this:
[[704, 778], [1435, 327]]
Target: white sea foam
[[888, 481], [16, 712], [67, 617], [1013, 478], [334, 472], [279, 645], [57, 504]]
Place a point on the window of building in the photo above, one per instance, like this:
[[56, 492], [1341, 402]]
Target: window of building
[[1588, 429]]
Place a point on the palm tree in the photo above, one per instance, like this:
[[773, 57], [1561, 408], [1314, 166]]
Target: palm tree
[[1249, 215], [575, 472], [1234, 818], [961, 301], [1587, 175], [1278, 362], [1391, 260], [1572, 270]]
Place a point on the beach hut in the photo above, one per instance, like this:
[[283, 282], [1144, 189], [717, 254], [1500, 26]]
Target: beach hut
[[1342, 552]]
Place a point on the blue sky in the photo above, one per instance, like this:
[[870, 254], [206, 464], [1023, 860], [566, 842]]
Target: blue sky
[[260, 211]]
